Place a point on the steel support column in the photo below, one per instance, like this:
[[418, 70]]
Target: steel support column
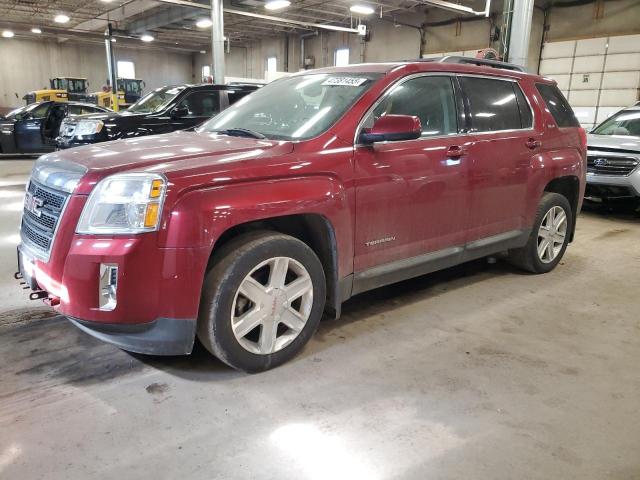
[[520, 32], [217, 42]]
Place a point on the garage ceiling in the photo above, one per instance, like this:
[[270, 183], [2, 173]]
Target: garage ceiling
[[172, 23]]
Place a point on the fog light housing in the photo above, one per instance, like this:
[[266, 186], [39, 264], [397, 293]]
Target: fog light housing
[[108, 287]]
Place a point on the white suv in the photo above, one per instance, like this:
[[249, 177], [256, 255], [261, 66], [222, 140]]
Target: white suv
[[613, 157]]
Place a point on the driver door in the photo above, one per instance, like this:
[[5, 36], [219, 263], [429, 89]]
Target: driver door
[[28, 130], [411, 195]]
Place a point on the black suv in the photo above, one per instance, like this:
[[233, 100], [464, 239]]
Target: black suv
[[162, 110]]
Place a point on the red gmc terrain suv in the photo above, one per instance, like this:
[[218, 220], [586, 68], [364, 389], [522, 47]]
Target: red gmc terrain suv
[[312, 189]]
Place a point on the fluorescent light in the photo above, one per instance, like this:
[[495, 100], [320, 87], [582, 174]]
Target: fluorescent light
[[362, 9], [61, 18], [7, 34], [204, 23], [277, 4], [147, 38], [36, 30]]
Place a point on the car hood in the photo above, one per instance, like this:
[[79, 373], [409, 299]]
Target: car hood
[[175, 154], [619, 142]]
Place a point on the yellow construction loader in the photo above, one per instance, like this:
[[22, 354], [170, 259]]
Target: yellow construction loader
[[61, 89]]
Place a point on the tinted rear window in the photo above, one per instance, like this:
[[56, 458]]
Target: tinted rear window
[[493, 104], [557, 105]]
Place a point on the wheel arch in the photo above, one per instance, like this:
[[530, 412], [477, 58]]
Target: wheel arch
[[569, 187], [313, 229]]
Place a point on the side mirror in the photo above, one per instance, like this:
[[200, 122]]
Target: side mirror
[[390, 128], [179, 112]]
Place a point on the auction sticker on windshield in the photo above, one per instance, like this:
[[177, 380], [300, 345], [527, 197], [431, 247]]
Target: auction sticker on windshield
[[345, 81]]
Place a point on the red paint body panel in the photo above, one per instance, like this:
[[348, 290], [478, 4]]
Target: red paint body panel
[[409, 190]]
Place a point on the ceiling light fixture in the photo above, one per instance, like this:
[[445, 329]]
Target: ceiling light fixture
[[7, 34], [61, 18], [147, 38], [204, 23], [362, 9], [36, 30], [277, 4]]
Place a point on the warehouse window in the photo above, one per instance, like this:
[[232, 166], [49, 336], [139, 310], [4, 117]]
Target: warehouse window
[[341, 58], [206, 71], [126, 69], [272, 64]]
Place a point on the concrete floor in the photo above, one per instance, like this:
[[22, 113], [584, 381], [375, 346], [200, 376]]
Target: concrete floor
[[477, 372]]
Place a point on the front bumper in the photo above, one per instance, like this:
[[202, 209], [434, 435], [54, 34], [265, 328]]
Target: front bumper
[[158, 289], [613, 186]]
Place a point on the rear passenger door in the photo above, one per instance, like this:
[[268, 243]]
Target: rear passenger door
[[500, 158]]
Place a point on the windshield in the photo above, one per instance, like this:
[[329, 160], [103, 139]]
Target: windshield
[[294, 108], [625, 123], [155, 101]]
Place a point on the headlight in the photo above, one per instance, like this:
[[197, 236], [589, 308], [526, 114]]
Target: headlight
[[89, 127], [124, 203]]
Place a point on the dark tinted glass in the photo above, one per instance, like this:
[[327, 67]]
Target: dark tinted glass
[[558, 105], [235, 95], [526, 117], [493, 104], [429, 98], [202, 104]]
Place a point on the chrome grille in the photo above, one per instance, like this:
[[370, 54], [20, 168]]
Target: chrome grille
[[38, 229], [610, 165]]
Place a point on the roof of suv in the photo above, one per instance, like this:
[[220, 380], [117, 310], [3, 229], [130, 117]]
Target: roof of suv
[[440, 65]]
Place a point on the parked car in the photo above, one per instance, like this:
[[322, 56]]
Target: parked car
[[613, 157], [161, 111], [317, 187], [33, 128]]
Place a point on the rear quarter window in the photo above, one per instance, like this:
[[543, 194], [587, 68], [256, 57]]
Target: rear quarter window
[[557, 105]]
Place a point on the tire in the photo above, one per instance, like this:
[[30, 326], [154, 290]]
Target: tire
[[228, 312], [528, 257]]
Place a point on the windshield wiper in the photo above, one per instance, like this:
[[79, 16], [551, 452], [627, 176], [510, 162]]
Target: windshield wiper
[[240, 132]]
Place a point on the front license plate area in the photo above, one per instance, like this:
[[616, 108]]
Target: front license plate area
[[27, 268]]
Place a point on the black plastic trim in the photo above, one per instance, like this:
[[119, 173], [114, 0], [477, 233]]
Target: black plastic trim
[[163, 336]]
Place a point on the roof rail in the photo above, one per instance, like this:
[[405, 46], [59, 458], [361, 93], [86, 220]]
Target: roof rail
[[482, 62]]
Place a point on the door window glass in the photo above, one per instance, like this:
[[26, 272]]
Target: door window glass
[[430, 98], [526, 117], [40, 111], [493, 104], [201, 104], [235, 95], [75, 110]]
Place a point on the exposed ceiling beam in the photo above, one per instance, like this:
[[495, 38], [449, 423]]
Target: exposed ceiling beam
[[455, 7], [245, 13], [172, 14]]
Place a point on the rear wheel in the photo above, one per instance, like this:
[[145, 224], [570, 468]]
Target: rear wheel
[[262, 300], [549, 237]]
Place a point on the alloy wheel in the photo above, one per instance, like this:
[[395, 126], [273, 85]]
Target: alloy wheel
[[552, 234], [272, 305]]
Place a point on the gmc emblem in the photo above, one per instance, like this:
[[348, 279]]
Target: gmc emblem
[[32, 204]]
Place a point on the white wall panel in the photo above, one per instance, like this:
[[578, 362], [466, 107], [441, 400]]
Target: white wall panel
[[593, 63], [591, 46], [612, 80], [583, 98], [624, 44], [621, 62], [555, 66], [613, 98], [558, 49], [585, 115], [585, 81]]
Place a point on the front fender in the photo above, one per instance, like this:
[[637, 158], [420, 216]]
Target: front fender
[[200, 217]]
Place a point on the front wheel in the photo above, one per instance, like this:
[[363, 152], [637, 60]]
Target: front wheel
[[549, 237], [262, 300]]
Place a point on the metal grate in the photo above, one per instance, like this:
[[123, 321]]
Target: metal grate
[[608, 165], [38, 229]]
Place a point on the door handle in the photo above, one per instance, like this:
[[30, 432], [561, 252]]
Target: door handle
[[456, 151], [532, 143]]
